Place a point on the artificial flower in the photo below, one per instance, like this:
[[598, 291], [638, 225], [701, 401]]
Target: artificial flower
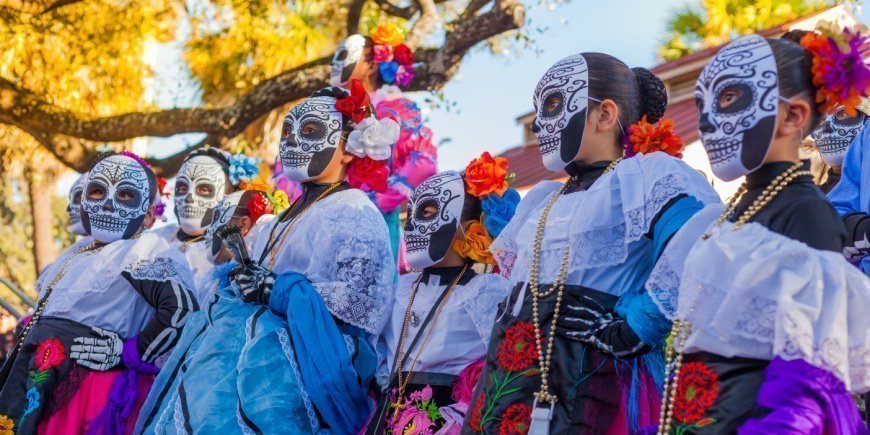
[[387, 34], [404, 75], [646, 138], [403, 55], [6, 425], [516, 420], [243, 168], [161, 186], [135, 157], [486, 175], [382, 53], [356, 105], [839, 71], [384, 94], [280, 201], [388, 71], [499, 210], [697, 389], [258, 206], [373, 138], [367, 172], [49, 353], [475, 244], [517, 351]]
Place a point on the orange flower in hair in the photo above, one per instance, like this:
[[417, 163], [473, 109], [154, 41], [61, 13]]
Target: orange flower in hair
[[487, 174], [475, 244], [646, 138]]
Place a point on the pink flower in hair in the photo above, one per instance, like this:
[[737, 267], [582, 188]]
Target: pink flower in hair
[[383, 53]]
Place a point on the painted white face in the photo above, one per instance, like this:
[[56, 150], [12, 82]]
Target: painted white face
[[199, 186], [310, 138], [73, 209], [346, 56], [223, 214], [835, 134], [561, 99], [737, 95], [116, 199], [435, 209]]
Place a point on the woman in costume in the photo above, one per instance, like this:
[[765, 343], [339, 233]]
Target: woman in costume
[[385, 65], [578, 348], [289, 344], [205, 177], [108, 307], [832, 140], [851, 199], [442, 316], [73, 209], [770, 322]]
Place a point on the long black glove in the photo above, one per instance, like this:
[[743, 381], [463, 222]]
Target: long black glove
[[604, 330], [255, 283], [857, 236]]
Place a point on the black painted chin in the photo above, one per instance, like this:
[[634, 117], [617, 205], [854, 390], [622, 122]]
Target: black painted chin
[[86, 221], [572, 135], [441, 240], [207, 218], [756, 142], [319, 161], [133, 226], [347, 72]]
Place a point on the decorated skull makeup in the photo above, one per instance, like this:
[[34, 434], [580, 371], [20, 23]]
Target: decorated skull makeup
[[310, 138], [561, 99], [737, 96], [200, 185], [116, 199], [73, 209], [435, 209], [835, 134], [223, 214], [346, 56]]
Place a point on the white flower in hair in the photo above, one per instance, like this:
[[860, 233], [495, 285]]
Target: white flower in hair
[[373, 138], [386, 93]]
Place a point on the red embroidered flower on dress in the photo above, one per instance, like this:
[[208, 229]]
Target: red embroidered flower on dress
[[516, 420], [356, 105], [49, 354], [518, 351], [697, 390], [477, 413]]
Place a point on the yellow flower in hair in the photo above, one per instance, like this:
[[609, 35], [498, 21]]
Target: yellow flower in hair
[[475, 244], [6, 425], [280, 201], [387, 34]]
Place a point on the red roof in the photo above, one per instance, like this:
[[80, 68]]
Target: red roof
[[526, 163], [685, 117]]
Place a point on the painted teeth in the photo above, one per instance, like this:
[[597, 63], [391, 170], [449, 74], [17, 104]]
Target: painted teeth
[[295, 160], [191, 212], [548, 144], [108, 223], [832, 145], [415, 243], [721, 150]]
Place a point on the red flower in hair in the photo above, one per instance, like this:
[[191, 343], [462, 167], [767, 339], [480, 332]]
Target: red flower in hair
[[368, 172], [403, 55], [516, 420], [646, 138], [161, 186], [258, 206], [697, 389], [356, 105], [518, 351]]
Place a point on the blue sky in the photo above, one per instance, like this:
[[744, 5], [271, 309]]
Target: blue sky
[[490, 91]]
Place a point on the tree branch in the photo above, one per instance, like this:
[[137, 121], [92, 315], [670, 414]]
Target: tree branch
[[354, 12], [34, 7], [428, 19], [388, 7]]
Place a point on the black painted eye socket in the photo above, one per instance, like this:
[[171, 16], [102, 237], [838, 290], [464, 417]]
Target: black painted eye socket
[[77, 197], [180, 188], [205, 190], [128, 197], [285, 132], [552, 104], [96, 191], [734, 98], [699, 104], [341, 54], [427, 210], [843, 118], [313, 131]]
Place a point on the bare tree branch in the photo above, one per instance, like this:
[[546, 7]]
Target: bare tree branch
[[34, 7], [354, 12], [405, 12], [428, 19]]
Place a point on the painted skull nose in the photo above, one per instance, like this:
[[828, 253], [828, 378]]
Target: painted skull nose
[[109, 206], [409, 225], [536, 127], [828, 127], [704, 124], [188, 199]]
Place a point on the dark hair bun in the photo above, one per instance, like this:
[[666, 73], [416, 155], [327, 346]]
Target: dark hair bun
[[653, 95], [222, 157], [794, 36], [330, 91]]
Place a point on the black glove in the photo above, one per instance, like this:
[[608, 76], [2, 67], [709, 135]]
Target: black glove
[[255, 283], [592, 325], [857, 236]]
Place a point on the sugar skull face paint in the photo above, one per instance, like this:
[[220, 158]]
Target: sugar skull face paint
[[836, 133], [346, 56], [737, 97], [435, 209], [310, 138], [116, 199], [200, 185], [73, 209], [223, 214], [561, 100]]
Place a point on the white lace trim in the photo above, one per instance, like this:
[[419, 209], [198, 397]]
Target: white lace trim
[[284, 339], [485, 293], [158, 269]]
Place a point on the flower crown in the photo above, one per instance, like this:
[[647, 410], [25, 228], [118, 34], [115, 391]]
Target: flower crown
[[395, 60], [264, 202], [487, 178], [371, 141], [645, 138], [839, 70]]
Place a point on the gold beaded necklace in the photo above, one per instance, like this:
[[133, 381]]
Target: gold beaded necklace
[[48, 289], [400, 361], [681, 328], [543, 395]]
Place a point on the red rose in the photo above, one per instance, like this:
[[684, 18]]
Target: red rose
[[697, 389], [49, 354], [403, 55], [516, 420], [357, 104], [368, 172], [258, 206], [518, 351]]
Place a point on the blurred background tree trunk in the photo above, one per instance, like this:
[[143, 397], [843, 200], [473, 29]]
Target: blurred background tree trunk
[[40, 193]]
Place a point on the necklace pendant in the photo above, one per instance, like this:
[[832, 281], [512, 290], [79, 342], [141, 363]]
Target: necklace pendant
[[541, 418], [415, 320], [706, 236]]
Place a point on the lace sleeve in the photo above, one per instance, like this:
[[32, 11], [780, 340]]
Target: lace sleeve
[[487, 292]]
